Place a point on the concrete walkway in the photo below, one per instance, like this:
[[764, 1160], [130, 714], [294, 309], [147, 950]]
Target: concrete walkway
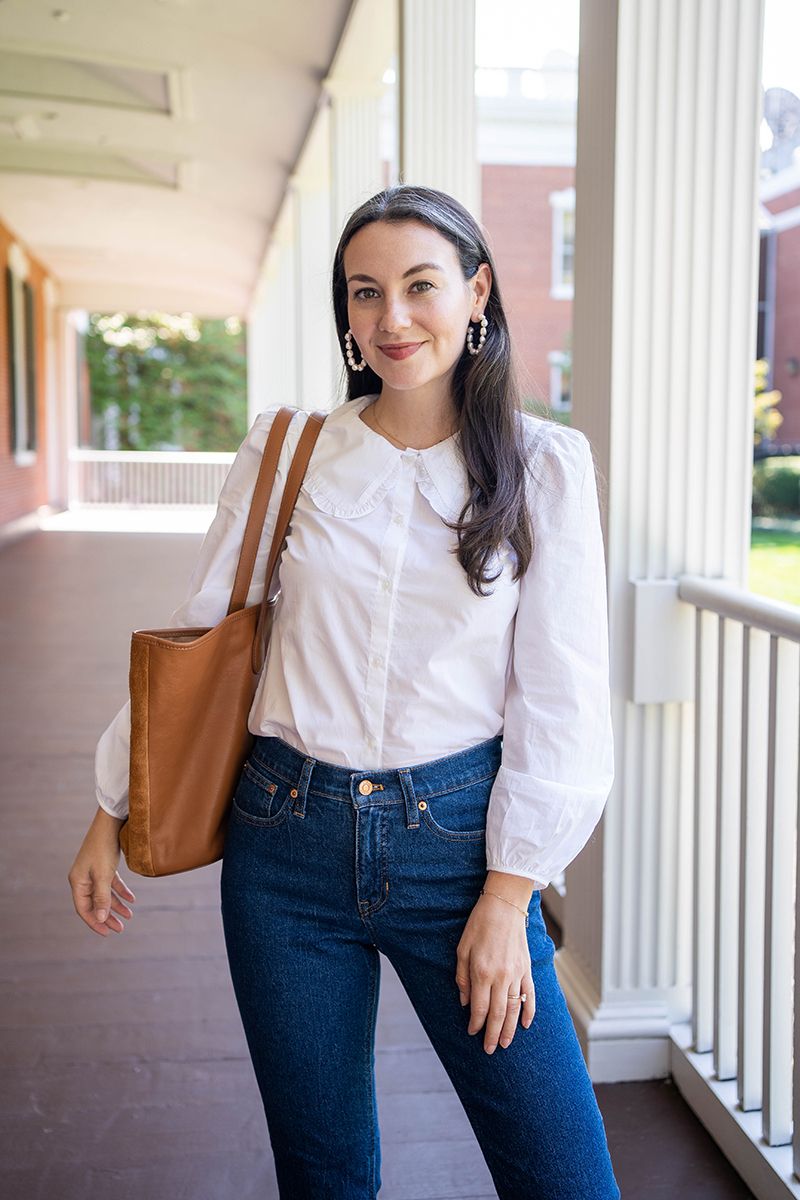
[[124, 1071]]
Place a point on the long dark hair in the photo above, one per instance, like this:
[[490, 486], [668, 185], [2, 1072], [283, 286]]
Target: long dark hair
[[485, 388]]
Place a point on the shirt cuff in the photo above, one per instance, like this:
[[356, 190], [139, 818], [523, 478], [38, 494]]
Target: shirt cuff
[[536, 827], [114, 808]]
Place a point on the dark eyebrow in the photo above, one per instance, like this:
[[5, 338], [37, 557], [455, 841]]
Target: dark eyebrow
[[428, 266]]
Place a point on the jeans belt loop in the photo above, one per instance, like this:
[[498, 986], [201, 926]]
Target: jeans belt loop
[[412, 812], [299, 808]]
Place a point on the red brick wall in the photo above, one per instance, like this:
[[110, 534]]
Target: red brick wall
[[787, 320], [519, 219], [22, 489]]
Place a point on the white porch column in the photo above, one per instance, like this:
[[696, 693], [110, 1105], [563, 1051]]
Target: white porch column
[[273, 347], [437, 98], [313, 318], [664, 344], [355, 87], [356, 167]]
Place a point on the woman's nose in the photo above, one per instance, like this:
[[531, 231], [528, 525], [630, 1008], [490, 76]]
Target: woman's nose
[[395, 315]]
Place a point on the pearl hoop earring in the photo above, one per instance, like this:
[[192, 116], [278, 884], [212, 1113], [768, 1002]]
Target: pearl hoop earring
[[484, 326], [351, 362]]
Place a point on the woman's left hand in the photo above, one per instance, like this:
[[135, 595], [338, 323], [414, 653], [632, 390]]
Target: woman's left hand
[[494, 963]]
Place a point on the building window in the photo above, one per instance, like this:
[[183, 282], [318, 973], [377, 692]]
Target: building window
[[560, 380], [562, 286], [20, 317]]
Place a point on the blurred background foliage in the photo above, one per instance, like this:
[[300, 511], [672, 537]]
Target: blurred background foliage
[[160, 381]]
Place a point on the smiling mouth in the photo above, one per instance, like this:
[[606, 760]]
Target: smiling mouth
[[401, 350]]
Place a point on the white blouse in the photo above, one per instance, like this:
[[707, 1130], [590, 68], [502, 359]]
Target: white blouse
[[382, 657]]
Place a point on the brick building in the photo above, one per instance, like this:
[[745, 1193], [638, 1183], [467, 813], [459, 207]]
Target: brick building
[[25, 380], [779, 324], [526, 148]]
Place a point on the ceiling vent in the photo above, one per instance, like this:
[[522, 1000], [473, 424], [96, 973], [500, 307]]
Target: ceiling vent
[[78, 81]]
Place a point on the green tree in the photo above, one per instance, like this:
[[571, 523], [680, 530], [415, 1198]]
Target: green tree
[[160, 381]]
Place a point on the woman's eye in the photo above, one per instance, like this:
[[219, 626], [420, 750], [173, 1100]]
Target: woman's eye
[[422, 284], [361, 294]]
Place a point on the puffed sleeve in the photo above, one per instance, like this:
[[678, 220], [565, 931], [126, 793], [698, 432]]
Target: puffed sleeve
[[210, 584], [558, 761]]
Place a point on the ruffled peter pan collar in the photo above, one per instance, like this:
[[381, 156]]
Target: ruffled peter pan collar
[[353, 468]]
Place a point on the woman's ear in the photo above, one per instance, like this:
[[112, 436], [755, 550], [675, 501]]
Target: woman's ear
[[482, 285]]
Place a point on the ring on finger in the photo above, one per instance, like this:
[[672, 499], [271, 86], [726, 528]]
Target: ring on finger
[[522, 996]]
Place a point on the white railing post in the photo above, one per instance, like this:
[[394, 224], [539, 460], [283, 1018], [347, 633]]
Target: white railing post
[[729, 764], [755, 738], [779, 890], [705, 815]]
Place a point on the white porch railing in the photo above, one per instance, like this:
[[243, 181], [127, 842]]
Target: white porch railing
[[736, 1064], [133, 478]]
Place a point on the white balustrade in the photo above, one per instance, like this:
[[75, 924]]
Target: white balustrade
[[747, 790], [134, 478]]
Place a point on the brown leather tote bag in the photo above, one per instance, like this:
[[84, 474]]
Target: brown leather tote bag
[[191, 693]]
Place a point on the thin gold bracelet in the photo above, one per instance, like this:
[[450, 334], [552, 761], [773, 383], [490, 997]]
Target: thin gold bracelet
[[497, 896]]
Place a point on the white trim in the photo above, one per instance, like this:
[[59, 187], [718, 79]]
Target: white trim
[[720, 596], [19, 267], [779, 222], [18, 262], [624, 1039], [78, 454], [780, 183], [767, 1170]]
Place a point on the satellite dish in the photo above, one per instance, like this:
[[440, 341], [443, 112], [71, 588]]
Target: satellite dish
[[782, 112]]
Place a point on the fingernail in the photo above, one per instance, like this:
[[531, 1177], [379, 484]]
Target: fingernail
[[505, 1042], [491, 1049], [101, 914], [463, 998]]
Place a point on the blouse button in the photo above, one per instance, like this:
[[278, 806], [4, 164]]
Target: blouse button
[[387, 583]]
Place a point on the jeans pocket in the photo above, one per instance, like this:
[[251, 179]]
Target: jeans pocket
[[459, 815], [262, 797]]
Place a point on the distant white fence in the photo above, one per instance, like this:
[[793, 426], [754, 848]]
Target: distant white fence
[[132, 478], [739, 1063]]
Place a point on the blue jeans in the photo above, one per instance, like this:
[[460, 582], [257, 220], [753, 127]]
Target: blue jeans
[[323, 868]]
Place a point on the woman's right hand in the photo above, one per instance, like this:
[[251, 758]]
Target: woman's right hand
[[98, 892]]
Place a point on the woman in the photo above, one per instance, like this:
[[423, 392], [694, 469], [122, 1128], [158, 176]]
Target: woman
[[443, 585]]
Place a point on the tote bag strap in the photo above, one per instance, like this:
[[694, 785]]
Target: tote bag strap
[[291, 491], [258, 508]]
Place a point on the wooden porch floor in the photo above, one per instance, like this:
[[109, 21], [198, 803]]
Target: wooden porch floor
[[123, 1067]]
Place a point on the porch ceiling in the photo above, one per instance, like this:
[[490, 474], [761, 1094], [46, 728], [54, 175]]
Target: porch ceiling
[[145, 144]]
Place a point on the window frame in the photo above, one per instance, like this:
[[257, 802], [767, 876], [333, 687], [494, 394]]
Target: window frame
[[562, 202]]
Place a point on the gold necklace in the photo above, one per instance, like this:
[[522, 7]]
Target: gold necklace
[[390, 436]]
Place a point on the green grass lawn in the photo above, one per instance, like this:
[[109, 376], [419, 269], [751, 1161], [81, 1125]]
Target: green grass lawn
[[775, 564]]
